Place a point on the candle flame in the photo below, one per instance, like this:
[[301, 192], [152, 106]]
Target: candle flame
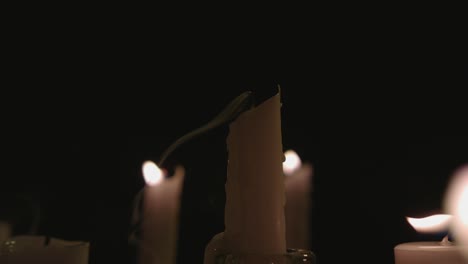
[[291, 163], [151, 173], [431, 224]]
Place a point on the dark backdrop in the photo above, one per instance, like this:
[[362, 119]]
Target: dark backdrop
[[378, 118]]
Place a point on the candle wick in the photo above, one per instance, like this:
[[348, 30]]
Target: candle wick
[[445, 241]]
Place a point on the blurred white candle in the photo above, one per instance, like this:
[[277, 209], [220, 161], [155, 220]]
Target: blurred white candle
[[429, 252], [456, 203], [160, 215], [5, 231], [298, 186], [34, 249]]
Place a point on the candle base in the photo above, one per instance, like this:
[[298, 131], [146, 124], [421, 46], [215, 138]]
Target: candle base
[[293, 256]]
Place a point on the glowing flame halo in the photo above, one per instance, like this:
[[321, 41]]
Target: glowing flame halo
[[291, 163], [152, 173], [456, 203]]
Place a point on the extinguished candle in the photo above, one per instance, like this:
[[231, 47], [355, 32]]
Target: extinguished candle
[[255, 192], [298, 184], [160, 215]]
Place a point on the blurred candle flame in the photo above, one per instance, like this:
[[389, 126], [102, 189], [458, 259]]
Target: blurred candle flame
[[151, 173], [291, 163], [430, 224], [463, 206], [456, 203]]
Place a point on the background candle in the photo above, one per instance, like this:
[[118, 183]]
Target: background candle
[[429, 252], [160, 215], [5, 231], [298, 182]]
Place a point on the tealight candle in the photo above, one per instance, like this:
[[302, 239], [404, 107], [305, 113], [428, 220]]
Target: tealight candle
[[429, 252]]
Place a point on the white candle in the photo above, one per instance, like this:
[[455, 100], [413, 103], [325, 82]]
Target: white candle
[[160, 215], [255, 192], [5, 231], [255, 189], [429, 252], [298, 182], [456, 203], [35, 249]]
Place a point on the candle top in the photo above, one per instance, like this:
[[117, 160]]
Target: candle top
[[428, 246]]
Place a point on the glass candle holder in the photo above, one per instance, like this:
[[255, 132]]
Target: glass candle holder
[[41, 249], [293, 256]]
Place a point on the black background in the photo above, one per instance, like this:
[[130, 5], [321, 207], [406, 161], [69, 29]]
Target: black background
[[379, 114]]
